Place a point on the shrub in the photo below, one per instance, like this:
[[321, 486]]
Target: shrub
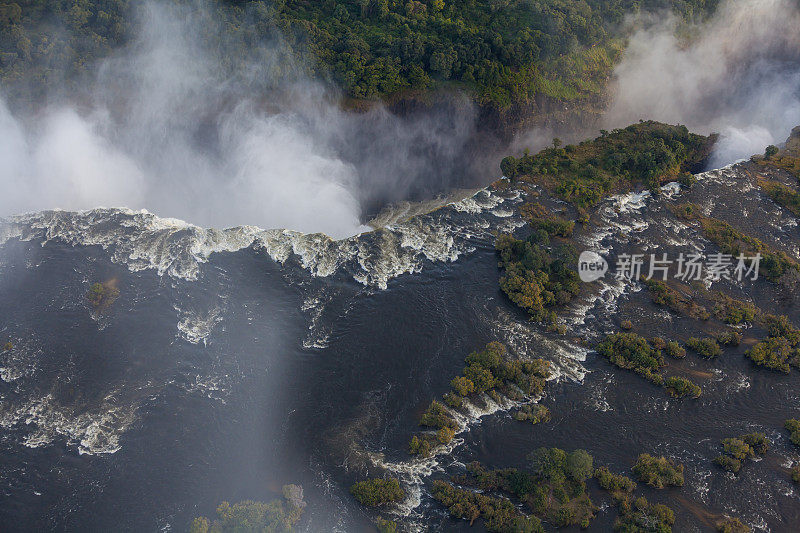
[[437, 416], [678, 387], [733, 311], [757, 441], [631, 351], [774, 353], [795, 472], [499, 514], [533, 414], [658, 343], [385, 526], [643, 516], [793, 425], [375, 492], [732, 525], [770, 151], [102, 295], [658, 472], [673, 349], [736, 450], [248, 515], [420, 446], [462, 386], [704, 347], [730, 338], [579, 465], [729, 463], [613, 482]]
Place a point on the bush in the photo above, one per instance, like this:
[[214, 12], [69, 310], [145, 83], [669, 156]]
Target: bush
[[276, 515], [375, 492], [704, 347], [102, 295], [732, 525], [675, 350], [658, 472], [736, 450], [613, 483], [537, 278], [770, 151], [420, 445], [462, 386], [793, 425], [631, 351], [385, 526], [678, 387], [579, 465], [795, 473], [437, 416], [730, 338], [643, 516], [774, 353], [499, 514], [733, 311], [757, 441], [729, 463], [533, 414]]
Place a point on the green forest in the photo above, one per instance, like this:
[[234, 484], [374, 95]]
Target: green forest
[[501, 52]]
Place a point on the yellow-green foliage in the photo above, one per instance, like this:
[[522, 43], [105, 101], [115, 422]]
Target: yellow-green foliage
[[618, 485], [793, 425], [704, 347], [536, 278], [533, 414], [788, 197], [498, 514], [553, 489], [680, 303], [633, 352], [102, 295], [733, 311], [386, 526], [732, 525], [375, 492], [774, 263], [678, 387], [632, 514], [275, 516], [775, 353], [658, 472], [647, 153], [506, 52]]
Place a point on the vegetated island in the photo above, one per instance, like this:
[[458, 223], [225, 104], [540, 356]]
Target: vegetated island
[[277, 515]]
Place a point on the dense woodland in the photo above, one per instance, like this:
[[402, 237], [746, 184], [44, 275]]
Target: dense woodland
[[500, 51]]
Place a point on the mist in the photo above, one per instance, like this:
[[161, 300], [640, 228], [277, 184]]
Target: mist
[[738, 75], [162, 126]]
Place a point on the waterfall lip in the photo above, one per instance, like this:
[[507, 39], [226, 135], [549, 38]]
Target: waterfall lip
[[437, 232]]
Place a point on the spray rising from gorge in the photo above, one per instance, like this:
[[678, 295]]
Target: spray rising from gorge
[[163, 126]]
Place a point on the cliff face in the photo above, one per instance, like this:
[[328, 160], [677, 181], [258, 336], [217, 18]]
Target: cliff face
[[792, 147]]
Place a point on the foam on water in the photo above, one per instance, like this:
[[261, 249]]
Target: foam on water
[[141, 240], [43, 420]]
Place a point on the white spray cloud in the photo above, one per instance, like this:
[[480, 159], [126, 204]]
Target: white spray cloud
[[168, 130], [738, 75]]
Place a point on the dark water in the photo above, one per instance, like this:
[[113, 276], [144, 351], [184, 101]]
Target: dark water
[[246, 408]]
